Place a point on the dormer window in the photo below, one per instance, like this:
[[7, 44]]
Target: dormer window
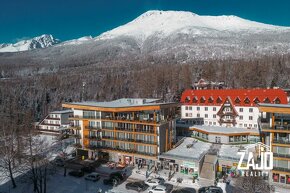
[[219, 100], [256, 100], [187, 99], [194, 100], [210, 100], [247, 100], [202, 99], [238, 100], [277, 100], [267, 100]]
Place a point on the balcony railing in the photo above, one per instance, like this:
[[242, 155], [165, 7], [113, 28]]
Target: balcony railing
[[130, 140], [281, 141], [52, 118], [281, 169], [136, 130], [93, 127], [281, 155], [284, 128], [107, 127], [92, 137], [84, 117]]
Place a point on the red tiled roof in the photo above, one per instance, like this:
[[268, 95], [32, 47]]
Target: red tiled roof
[[242, 95]]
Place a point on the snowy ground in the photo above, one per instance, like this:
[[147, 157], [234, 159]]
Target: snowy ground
[[57, 183]]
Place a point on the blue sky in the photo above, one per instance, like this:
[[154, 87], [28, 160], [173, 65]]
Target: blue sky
[[68, 19]]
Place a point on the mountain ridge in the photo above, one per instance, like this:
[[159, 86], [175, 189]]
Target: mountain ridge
[[178, 35], [42, 41]]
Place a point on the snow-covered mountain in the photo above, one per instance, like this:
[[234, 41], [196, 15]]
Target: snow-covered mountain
[[166, 23], [42, 41], [177, 36]]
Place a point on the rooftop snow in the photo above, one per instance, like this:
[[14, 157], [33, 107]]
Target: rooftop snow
[[195, 152], [226, 130], [61, 112], [123, 102], [229, 152]]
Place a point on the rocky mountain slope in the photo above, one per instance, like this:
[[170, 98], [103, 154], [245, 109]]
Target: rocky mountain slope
[[42, 41]]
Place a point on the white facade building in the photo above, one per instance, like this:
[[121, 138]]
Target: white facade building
[[229, 107], [55, 120]]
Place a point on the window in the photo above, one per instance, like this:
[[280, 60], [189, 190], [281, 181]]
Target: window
[[206, 115], [210, 123], [247, 100], [241, 117], [206, 108], [213, 116], [250, 110], [197, 108], [187, 99], [241, 110], [219, 100], [250, 125], [267, 100], [214, 123], [186, 107], [202, 100], [250, 118], [198, 115], [240, 125], [190, 108], [227, 109], [255, 125], [186, 114], [214, 108], [245, 125], [227, 117], [237, 100], [210, 100], [277, 100], [256, 100]]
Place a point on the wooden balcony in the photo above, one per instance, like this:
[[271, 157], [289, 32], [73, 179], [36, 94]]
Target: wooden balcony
[[127, 140]]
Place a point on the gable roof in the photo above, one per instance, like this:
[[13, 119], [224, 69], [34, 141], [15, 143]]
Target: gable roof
[[242, 94]]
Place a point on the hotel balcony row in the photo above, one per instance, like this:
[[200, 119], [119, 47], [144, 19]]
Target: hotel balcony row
[[123, 150], [281, 169], [129, 140], [281, 141], [116, 129], [150, 118], [281, 155]]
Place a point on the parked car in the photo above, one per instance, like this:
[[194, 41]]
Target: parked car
[[111, 181], [154, 181], [138, 186], [157, 189], [88, 169], [93, 176], [120, 175], [76, 173], [210, 189]]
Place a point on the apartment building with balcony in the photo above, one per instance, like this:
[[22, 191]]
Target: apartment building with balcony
[[228, 107], [275, 124], [130, 130], [55, 121]]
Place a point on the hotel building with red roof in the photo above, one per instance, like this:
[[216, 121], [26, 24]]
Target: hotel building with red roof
[[228, 107]]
